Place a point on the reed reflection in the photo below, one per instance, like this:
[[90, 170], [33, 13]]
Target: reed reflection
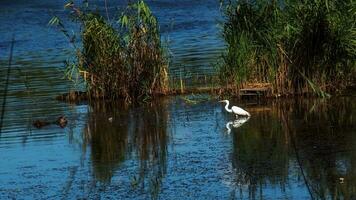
[[260, 154], [115, 133], [149, 140], [308, 139], [108, 140], [324, 138]]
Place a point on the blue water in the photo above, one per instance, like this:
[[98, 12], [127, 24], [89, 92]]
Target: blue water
[[173, 148], [189, 28]]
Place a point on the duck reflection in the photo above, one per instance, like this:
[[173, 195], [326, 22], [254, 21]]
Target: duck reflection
[[116, 133], [236, 123]]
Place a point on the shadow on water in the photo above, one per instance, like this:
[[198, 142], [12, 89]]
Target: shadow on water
[[307, 141], [116, 133]]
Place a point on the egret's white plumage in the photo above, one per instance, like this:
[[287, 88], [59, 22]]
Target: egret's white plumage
[[235, 110]]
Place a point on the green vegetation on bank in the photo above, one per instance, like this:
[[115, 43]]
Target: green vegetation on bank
[[296, 47], [299, 47], [121, 59]]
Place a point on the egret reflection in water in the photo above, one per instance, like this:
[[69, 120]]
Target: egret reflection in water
[[236, 123]]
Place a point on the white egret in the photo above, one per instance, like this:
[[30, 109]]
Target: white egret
[[235, 110], [235, 124]]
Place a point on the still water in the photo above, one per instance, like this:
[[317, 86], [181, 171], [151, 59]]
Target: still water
[[172, 148]]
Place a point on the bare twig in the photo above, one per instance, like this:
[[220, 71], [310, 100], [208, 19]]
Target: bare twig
[[6, 84], [106, 10]]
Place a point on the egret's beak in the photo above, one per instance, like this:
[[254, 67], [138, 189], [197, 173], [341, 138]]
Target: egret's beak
[[221, 101]]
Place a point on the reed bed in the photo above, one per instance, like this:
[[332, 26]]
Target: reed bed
[[300, 47], [122, 59]]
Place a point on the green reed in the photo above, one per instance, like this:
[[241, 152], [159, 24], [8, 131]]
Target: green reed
[[123, 59], [300, 47]]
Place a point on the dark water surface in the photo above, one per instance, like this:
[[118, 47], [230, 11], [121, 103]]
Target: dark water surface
[[172, 149]]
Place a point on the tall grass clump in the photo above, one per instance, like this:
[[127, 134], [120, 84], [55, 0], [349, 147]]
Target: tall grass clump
[[249, 34], [123, 59], [300, 47]]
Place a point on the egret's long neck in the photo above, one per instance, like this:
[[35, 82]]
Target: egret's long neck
[[227, 107]]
